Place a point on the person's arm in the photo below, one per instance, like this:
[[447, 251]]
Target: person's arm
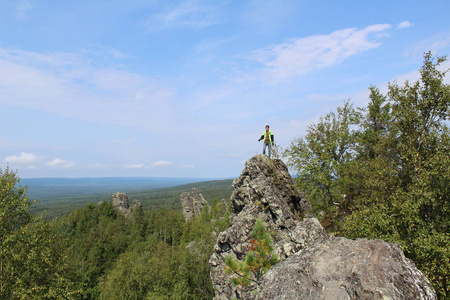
[[273, 140], [261, 138]]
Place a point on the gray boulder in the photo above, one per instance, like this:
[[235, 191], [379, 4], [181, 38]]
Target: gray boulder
[[344, 269]]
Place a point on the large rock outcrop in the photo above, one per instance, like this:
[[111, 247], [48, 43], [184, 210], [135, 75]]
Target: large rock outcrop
[[119, 202], [192, 203], [314, 265], [340, 268]]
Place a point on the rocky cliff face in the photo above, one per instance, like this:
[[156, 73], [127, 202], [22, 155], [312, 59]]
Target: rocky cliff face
[[119, 201], [192, 203], [314, 265]]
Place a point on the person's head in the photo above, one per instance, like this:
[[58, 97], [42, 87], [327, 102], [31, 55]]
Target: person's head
[[267, 127]]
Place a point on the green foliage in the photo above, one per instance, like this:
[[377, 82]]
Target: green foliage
[[93, 238], [96, 253], [375, 122], [394, 180], [320, 158], [148, 268], [258, 260], [144, 256], [161, 266], [31, 265]]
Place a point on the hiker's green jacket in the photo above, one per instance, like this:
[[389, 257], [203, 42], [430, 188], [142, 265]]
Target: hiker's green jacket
[[271, 138]]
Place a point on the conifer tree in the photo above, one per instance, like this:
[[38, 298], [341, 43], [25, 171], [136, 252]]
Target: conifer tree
[[258, 259]]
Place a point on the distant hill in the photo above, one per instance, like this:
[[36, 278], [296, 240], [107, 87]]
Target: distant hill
[[59, 196], [170, 197], [44, 189]]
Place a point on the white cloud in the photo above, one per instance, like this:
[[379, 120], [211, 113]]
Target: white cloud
[[188, 166], [404, 24], [69, 85], [31, 160], [60, 163], [161, 163], [192, 14], [22, 159], [299, 56]]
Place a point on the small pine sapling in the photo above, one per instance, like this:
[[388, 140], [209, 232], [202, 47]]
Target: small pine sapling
[[258, 259]]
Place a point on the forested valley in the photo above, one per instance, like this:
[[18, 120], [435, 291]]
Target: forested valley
[[378, 172]]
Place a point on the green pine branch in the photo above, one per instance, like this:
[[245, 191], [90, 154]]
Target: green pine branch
[[258, 260]]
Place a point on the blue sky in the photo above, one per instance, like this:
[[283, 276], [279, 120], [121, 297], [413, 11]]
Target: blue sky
[[185, 88]]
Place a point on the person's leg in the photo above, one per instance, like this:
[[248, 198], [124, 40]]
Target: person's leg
[[264, 148], [270, 149]]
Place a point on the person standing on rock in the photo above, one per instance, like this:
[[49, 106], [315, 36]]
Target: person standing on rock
[[268, 138]]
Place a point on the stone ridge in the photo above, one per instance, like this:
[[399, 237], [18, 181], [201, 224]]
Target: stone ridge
[[314, 265]]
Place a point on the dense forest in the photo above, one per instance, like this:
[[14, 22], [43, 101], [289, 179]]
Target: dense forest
[[376, 172], [97, 253]]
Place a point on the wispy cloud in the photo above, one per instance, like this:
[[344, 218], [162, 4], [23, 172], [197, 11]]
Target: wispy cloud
[[404, 24], [194, 14], [60, 163], [23, 158], [162, 163], [68, 84], [31, 160], [435, 43], [300, 56]]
